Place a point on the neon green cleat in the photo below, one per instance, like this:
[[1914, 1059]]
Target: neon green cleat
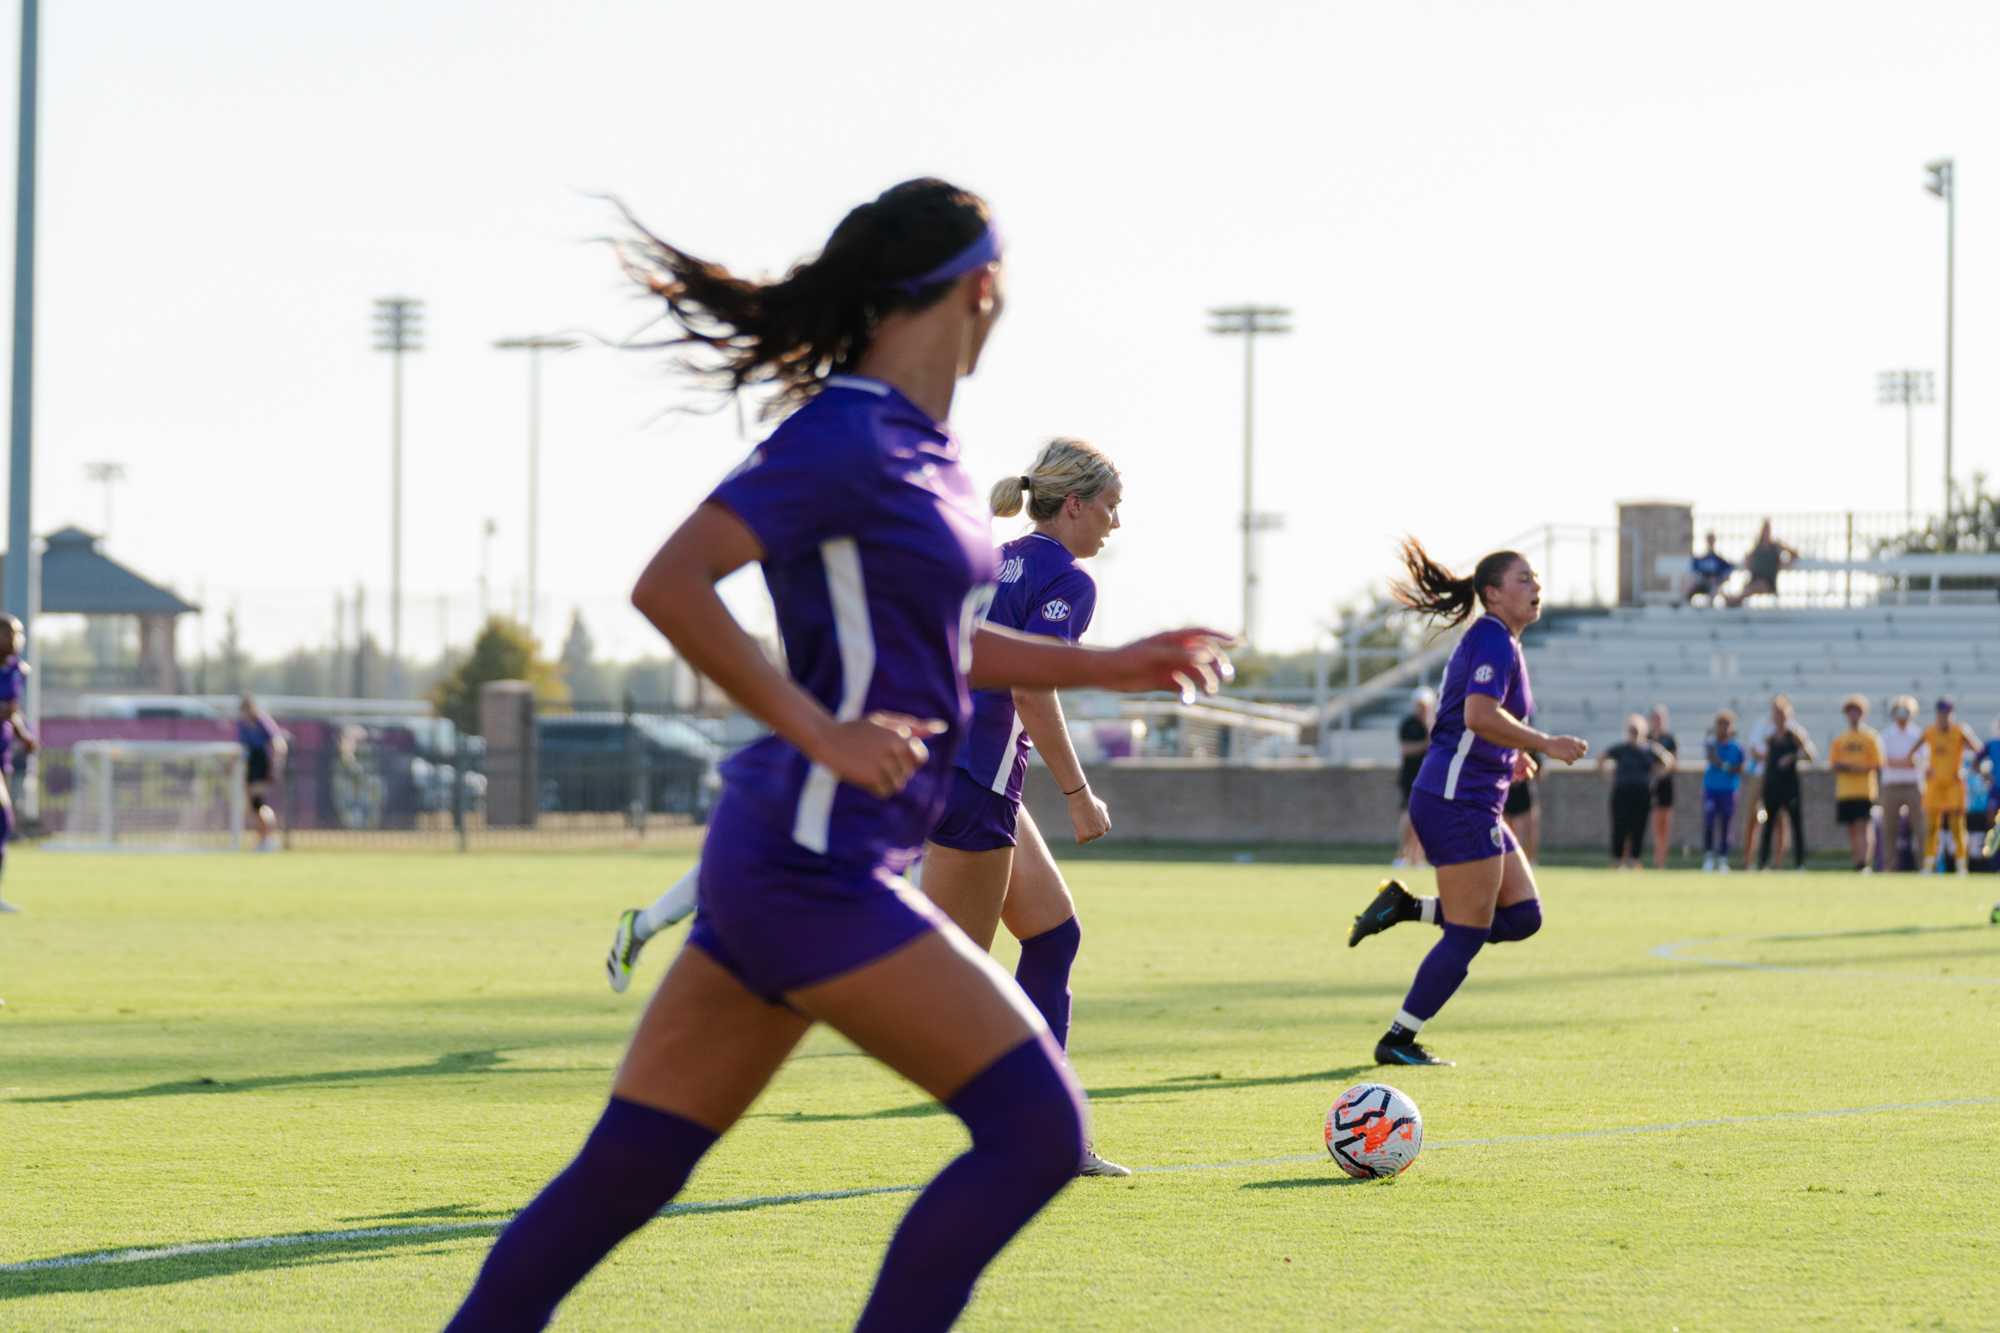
[[624, 954]]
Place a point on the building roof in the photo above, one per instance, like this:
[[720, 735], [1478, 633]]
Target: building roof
[[78, 579]]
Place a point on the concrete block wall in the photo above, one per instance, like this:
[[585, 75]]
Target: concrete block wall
[[1306, 803]]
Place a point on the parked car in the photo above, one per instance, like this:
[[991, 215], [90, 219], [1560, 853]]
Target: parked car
[[608, 761]]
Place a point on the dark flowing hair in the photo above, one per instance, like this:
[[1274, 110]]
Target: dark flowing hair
[[1436, 592], [822, 315]]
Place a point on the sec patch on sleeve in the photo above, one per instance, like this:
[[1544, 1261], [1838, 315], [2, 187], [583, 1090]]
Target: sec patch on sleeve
[[1055, 609], [1483, 674]]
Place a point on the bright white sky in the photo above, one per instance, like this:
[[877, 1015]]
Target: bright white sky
[[1544, 256]]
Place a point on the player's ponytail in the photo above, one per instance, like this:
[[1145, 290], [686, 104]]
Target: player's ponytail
[[1063, 468], [821, 316], [1434, 591]]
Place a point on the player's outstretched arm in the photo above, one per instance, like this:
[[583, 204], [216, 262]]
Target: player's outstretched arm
[[1192, 662], [878, 753]]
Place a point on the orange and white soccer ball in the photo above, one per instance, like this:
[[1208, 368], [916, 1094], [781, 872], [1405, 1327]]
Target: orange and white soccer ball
[[1373, 1131]]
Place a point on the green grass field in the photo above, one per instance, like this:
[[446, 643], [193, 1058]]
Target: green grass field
[[215, 1049]]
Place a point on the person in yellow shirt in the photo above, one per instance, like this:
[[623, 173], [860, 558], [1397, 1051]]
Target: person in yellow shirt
[[1856, 755], [1947, 742]]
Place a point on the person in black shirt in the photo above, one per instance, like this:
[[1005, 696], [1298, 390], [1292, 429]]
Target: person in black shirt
[[1634, 764], [1766, 558], [1788, 748], [1413, 736], [1663, 785]]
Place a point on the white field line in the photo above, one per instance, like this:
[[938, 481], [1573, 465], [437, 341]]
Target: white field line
[[1675, 952], [151, 1253]]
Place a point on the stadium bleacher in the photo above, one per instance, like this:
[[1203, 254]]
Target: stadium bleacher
[[1591, 671]]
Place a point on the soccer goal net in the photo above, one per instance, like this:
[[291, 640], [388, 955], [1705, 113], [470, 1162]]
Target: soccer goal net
[[154, 796]]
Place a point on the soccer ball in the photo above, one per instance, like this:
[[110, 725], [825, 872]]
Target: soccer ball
[[1373, 1131]]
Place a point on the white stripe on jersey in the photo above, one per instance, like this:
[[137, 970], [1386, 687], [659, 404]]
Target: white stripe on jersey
[[999, 783], [1457, 762], [855, 637]]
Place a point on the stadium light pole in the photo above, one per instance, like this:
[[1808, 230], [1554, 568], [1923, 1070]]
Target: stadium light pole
[[106, 474], [1909, 388], [1249, 322], [399, 329], [1943, 183], [534, 345], [21, 454]]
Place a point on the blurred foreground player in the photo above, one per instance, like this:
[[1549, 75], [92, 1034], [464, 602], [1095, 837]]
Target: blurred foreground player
[[1479, 745], [880, 564], [14, 733]]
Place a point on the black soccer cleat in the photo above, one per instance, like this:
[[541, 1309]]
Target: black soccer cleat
[[1393, 905], [1405, 1053]]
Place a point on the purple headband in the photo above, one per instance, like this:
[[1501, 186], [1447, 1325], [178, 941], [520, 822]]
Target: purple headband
[[978, 255]]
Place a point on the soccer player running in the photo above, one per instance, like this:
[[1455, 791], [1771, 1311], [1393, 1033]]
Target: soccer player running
[[13, 730], [985, 861], [263, 742], [1479, 745], [1719, 784], [1856, 757], [880, 563], [1947, 742]]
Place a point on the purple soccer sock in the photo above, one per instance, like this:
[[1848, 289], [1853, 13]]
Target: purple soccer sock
[[1516, 921], [635, 1160], [1026, 1116], [1440, 973], [1044, 974]]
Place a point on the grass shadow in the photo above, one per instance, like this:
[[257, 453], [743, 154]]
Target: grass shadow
[[1336, 1181], [1161, 1089], [457, 1062], [166, 1265]]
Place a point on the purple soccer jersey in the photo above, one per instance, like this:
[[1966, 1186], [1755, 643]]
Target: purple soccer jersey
[[13, 690], [879, 557], [1460, 766], [1042, 591]]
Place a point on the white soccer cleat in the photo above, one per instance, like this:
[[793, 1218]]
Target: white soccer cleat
[[8, 908], [1093, 1165]]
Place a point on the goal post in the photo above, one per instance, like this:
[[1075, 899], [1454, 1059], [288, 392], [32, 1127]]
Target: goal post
[[159, 796]]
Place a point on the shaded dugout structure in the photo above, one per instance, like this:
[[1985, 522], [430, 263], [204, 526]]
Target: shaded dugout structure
[[79, 579]]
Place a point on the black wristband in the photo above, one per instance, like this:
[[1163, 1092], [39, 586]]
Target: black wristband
[[1084, 787]]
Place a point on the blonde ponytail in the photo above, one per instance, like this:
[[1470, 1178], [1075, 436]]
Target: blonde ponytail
[[1065, 467], [1006, 496]]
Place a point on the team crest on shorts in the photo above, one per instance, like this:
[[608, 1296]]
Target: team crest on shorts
[[1499, 838], [1055, 609], [1483, 674]]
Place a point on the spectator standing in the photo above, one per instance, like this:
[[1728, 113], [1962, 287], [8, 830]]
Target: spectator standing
[[1856, 756], [1788, 750], [1902, 796], [1718, 791], [1633, 764], [1413, 737], [1663, 785], [1756, 742], [1710, 570], [1766, 558], [1948, 743]]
